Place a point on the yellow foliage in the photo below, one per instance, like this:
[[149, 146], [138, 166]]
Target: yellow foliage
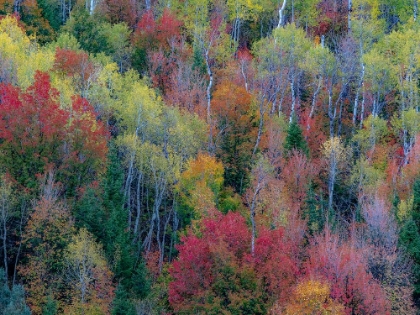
[[312, 297], [334, 149], [23, 56], [201, 183], [404, 208]]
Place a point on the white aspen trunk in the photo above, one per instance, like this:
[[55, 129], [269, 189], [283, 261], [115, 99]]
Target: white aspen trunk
[[314, 97], [331, 182], [16, 5], [22, 216], [356, 100], [349, 8], [281, 13], [208, 96], [138, 214], [252, 214], [92, 7], [260, 127], [244, 76], [292, 111]]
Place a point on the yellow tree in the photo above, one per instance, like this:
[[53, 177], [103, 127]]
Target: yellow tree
[[336, 154], [88, 276], [44, 241], [312, 297], [22, 57], [200, 185], [242, 10]]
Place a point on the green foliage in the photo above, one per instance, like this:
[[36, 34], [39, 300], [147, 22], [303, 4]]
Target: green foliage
[[416, 203], [314, 212], [51, 12], [51, 306], [87, 29], [410, 239], [101, 211], [12, 301], [294, 139], [122, 304]]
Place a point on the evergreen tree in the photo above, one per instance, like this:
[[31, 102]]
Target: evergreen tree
[[12, 301], [294, 139], [51, 307], [122, 303], [410, 240]]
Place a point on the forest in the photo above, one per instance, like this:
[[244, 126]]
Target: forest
[[243, 157]]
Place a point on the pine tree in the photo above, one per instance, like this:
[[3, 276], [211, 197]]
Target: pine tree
[[294, 139], [410, 240], [12, 301]]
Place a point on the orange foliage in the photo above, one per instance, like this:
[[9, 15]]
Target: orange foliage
[[45, 239]]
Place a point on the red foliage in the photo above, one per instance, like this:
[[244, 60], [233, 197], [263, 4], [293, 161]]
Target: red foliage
[[225, 243], [274, 263], [147, 24], [297, 174], [36, 132], [344, 267], [168, 29], [72, 63]]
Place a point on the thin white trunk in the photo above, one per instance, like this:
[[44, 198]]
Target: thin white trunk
[[349, 8], [92, 6], [138, 214], [292, 111], [208, 96], [260, 127], [281, 14], [314, 97]]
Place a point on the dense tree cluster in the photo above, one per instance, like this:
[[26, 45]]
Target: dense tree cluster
[[209, 157]]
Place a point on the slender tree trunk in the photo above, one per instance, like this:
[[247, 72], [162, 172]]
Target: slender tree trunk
[[349, 8], [16, 6], [292, 89], [356, 100], [281, 13], [4, 237], [22, 220], [260, 127], [208, 96], [127, 189], [314, 97], [138, 214], [331, 182]]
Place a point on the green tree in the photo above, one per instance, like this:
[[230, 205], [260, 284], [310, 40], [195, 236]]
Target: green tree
[[410, 239], [295, 139], [12, 301]]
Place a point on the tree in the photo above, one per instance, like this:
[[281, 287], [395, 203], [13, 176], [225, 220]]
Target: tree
[[200, 186], [7, 203], [336, 155], [88, 276], [342, 264], [38, 134], [208, 275], [12, 301], [294, 139], [216, 273], [44, 241], [313, 297]]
